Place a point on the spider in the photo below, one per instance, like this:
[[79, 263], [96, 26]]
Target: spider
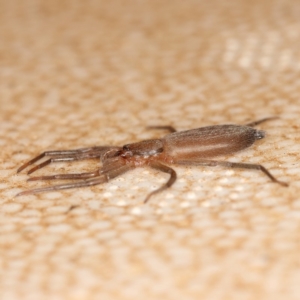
[[194, 147]]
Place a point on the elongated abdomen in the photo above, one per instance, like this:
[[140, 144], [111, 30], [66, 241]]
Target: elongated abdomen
[[208, 142]]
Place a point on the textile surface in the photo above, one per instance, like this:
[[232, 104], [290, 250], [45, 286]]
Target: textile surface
[[82, 73]]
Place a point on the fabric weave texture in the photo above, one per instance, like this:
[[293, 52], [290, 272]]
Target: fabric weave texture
[[82, 73]]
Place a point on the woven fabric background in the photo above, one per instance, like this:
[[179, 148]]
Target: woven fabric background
[[82, 73]]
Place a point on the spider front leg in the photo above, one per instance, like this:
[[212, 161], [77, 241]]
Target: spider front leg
[[108, 165], [84, 175], [64, 159], [105, 177], [66, 155]]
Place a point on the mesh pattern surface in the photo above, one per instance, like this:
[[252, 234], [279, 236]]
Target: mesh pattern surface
[[82, 73]]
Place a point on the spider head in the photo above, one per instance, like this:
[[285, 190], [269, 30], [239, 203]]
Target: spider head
[[144, 148]]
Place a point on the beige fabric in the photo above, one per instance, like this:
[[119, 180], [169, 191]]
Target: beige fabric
[[80, 73]]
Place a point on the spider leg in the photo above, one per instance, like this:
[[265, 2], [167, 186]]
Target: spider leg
[[160, 167], [108, 165], [67, 154], [228, 164], [252, 124], [82, 183], [68, 176], [64, 158], [169, 128]]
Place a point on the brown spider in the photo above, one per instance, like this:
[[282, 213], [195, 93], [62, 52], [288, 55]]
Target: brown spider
[[191, 147]]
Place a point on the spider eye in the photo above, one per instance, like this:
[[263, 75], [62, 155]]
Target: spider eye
[[143, 148], [126, 152]]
